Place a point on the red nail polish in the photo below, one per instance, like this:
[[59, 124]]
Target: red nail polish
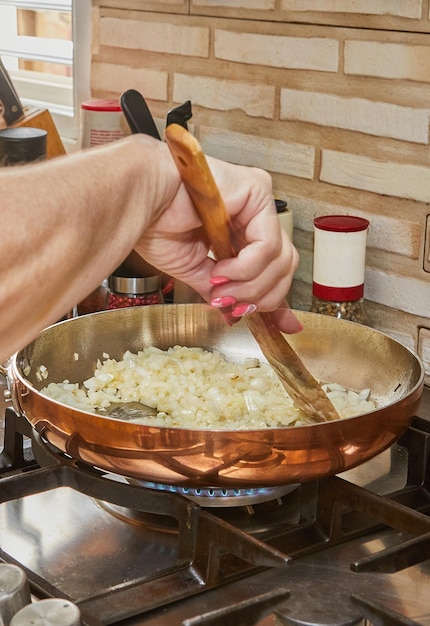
[[223, 301], [219, 280], [243, 309]]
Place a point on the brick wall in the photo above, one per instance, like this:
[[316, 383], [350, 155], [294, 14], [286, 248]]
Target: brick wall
[[332, 97]]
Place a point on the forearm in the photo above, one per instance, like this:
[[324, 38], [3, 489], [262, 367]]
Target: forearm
[[63, 234]]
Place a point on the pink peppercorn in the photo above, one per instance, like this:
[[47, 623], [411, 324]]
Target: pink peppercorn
[[127, 291]]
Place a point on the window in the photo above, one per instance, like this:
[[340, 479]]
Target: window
[[45, 46]]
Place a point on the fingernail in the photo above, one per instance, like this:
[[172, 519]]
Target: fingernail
[[219, 280], [223, 301], [243, 309]]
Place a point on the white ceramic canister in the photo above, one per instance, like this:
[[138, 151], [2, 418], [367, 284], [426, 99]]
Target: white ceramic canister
[[285, 216], [339, 266], [102, 121]]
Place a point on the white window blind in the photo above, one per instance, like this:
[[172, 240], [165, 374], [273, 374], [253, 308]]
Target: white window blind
[[45, 47]]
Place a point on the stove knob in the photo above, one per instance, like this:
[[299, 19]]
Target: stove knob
[[49, 612], [14, 591]]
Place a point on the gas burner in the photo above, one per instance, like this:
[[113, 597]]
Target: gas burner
[[254, 510], [223, 496]]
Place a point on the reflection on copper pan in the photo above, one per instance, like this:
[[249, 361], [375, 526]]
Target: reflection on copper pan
[[334, 351]]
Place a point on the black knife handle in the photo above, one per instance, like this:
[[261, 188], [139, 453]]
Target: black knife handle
[[137, 114], [180, 115], [11, 108]]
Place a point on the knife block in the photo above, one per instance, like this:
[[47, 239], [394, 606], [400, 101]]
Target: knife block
[[42, 118]]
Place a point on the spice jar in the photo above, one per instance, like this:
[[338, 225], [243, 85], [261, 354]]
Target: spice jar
[[126, 291], [339, 266], [285, 216], [102, 121], [22, 144]]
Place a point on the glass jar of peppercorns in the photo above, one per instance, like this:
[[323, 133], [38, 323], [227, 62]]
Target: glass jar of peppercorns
[[126, 290], [339, 267]]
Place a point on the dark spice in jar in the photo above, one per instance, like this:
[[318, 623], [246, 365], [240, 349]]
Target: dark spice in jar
[[353, 311]]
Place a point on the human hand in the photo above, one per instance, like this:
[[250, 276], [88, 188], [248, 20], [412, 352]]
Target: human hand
[[258, 277]]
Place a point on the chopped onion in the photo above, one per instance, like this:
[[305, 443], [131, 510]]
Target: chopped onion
[[199, 389]]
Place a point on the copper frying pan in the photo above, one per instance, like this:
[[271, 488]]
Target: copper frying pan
[[333, 350]]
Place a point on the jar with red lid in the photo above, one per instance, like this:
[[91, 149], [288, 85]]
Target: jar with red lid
[[339, 267], [102, 121], [127, 291]]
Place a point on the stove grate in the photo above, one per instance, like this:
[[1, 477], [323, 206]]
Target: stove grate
[[212, 552], [251, 612]]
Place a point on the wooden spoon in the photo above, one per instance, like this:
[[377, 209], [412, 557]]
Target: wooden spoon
[[197, 177]]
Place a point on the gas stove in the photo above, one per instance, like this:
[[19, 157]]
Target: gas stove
[[336, 551]]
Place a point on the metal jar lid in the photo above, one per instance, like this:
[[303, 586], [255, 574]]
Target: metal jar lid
[[22, 145], [135, 284], [14, 591], [51, 611]]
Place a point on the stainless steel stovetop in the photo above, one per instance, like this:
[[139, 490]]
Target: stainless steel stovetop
[[110, 559]]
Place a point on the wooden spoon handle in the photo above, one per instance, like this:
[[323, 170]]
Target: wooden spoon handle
[[203, 191]]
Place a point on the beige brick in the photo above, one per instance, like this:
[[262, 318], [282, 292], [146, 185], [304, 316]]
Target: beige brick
[[269, 154], [387, 60], [155, 36], [174, 6], [225, 95], [374, 118], [427, 245], [411, 8], [424, 350], [390, 234], [95, 18], [311, 53], [402, 180], [398, 292], [236, 4], [117, 78]]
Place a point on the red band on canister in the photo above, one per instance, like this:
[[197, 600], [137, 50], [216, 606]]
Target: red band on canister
[[338, 294]]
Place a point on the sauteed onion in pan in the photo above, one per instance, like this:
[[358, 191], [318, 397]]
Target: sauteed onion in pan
[[195, 388]]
